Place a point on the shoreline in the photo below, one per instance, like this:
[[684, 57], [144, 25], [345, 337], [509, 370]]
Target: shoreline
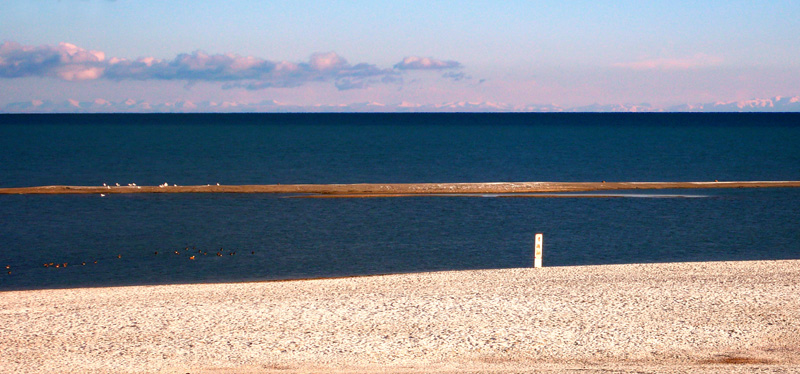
[[400, 189], [668, 317]]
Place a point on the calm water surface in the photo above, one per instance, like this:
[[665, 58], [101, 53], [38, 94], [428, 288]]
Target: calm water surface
[[279, 237]]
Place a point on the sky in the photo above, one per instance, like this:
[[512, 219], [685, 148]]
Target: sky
[[312, 53]]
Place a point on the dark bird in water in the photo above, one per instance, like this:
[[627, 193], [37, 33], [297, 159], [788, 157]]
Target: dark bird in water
[[119, 256], [156, 252], [191, 258], [219, 254], [8, 266], [83, 263], [95, 261], [252, 252]]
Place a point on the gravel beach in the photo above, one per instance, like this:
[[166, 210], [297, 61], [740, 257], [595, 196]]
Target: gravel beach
[[677, 317]]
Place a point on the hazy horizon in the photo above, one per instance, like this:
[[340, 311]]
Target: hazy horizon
[[520, 56]]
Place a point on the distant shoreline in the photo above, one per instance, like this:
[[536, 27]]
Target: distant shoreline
[[398, 189]]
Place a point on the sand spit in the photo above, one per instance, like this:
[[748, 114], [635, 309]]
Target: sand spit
[[398, 189], [686, 317]]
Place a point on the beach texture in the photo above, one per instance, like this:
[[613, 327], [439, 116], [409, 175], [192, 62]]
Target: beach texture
[[683, 317]]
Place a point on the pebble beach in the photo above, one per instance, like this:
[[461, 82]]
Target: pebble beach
[[673, 317]]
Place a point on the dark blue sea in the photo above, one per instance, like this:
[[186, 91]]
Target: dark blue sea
[[282, 237]]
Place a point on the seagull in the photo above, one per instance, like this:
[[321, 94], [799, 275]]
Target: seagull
[[117, 184], [102, 195]]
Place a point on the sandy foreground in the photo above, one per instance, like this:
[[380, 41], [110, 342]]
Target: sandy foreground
[[684, 317]]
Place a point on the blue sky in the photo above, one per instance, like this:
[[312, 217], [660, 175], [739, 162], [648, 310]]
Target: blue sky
[[340, 52]]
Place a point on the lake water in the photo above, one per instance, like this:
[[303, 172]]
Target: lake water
[[280, 237]]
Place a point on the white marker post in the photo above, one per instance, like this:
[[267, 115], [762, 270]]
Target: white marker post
[[537, 252]]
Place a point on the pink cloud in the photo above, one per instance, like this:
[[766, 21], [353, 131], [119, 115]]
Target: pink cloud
[[327, 61], [69, 62], [425, 63], [699, 60], [72, 63], [65, 61]]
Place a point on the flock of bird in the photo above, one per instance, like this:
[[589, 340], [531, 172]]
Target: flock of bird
[[58, 265], [219, 253], [192, 253], [118, 185], [165, 184]]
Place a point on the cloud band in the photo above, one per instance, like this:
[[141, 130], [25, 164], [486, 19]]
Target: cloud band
[[69, 62]]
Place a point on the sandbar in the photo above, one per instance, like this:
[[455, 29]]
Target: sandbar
[[399, 189]]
